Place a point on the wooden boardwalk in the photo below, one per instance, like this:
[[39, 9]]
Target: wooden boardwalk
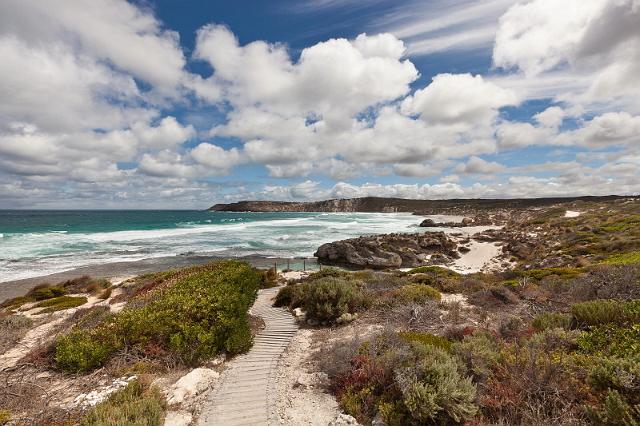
[[246, 394]]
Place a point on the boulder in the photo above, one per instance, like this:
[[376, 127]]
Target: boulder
[[191, 384], [388, 250]]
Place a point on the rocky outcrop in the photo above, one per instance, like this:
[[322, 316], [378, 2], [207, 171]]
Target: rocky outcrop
[[430, 223], [389, 251]]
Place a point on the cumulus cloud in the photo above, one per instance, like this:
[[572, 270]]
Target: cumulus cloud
[[594, 41], [459, 99], [216, 158], [94, 96], [478, 166]]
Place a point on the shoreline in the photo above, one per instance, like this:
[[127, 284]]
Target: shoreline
[[15, 288]]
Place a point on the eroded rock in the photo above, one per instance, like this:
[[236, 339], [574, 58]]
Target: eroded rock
[[389, 250]]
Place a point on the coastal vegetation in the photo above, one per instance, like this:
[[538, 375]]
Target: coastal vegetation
[[526, 346], [168, 322], [191, 315], [575, 363], [137, 404], [550, 335]]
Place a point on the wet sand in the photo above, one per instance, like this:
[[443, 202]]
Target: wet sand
[[16, 288]]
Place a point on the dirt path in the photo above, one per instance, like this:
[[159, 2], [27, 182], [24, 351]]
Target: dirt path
[[246, 394]]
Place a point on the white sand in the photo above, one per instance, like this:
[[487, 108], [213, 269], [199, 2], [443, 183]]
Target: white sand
[[571, 213], [301, 400], [483, 255]]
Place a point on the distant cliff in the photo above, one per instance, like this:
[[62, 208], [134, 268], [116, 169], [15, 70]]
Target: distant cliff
[[390, 205]]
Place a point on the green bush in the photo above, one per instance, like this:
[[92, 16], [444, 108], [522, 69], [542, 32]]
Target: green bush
[[290, 296], [436, 270], [416, 293], [552, 320], [427, 339], [621, 374], [615, 411], [46, 292], [611, 340], [624, 258], [405, 382], [564, 273], [597, 312], [480, 352], [61, 303], [131, 406], [203, 313], [434, 391], [81, 351], [326, 299]]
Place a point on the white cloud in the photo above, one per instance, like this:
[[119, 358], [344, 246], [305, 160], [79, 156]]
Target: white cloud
[[593, 41], [334, 79], [612, 128], [114, 31], [477, 165], [167, 134], [216, 158], [459, 100]]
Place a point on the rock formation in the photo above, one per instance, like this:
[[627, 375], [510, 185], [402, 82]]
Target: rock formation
[[389, 250]]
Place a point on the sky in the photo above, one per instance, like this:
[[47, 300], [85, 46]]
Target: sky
[[186, 103]]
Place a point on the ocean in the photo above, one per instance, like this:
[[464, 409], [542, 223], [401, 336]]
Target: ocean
[[37, 242]]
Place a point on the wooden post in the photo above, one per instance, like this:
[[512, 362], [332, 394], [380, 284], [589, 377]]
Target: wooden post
[[304, 264], [288, 266], [275, 266]]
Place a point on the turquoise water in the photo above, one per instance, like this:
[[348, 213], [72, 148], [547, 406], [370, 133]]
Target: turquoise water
[[34, 243]]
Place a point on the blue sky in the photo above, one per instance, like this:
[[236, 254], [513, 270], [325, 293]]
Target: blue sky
[[181, 104]]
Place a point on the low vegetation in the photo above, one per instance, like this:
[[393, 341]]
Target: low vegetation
[[190, 315], [60, 303], [547, 345], [135, 405], [44, 293]]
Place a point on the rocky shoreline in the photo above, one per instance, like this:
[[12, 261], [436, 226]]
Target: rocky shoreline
[[389, 251]]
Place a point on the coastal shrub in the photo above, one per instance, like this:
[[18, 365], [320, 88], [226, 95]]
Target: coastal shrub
[[611, 340], [563, 273], [85, 284], [415, 293], [435, 270], [201, 314], [615, 411], [621, 374], [46, 291], [405, 382], [427, 339], [597, 312], [621, 282], [290, 296], [531, 380], [135, 405], [624, 258], [81, 351], [61, 303], [552, 320], [269, 278], [326, 299], [434, 391], [480, 352], [105, 294]]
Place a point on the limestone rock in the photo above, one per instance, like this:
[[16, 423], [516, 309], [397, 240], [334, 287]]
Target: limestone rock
[[191, 384], [388, 250]]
